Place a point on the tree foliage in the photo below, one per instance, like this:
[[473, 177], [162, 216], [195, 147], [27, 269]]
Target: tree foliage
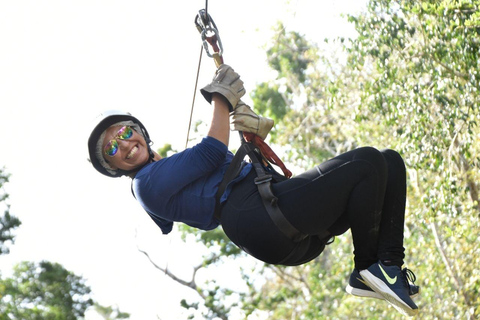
[[43, 291], [8, 222], [48, 291], [110, 312], [410, 83]]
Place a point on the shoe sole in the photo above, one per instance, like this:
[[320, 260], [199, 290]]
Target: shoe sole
[[380, 287], [368, 293], [363, 293]]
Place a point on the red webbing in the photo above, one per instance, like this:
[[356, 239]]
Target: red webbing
[[267, 152], [213, 42]]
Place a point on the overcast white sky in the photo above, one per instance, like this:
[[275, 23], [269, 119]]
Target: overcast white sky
[[61, 64]]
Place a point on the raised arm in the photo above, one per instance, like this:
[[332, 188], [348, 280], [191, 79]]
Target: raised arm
[[220, 125], [223, 93]]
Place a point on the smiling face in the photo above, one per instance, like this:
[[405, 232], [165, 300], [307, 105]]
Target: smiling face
[[132, 152]]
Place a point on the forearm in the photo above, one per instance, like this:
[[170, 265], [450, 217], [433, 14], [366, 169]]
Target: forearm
[[220, 125]]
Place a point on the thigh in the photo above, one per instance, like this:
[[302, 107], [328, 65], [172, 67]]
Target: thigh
[[247, 223], [318, 199]]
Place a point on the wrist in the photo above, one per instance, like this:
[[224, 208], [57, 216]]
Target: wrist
[[220, 100]]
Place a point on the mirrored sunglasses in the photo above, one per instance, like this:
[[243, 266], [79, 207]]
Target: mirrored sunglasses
[[111, 147]]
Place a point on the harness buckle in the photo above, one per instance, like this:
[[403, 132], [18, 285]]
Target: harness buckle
[[264, 179]]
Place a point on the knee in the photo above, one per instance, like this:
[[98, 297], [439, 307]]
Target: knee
[[393, 158], [396, 166], [372, 156]]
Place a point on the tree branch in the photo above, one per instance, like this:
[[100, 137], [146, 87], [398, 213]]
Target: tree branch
[[457, 280], [191, 284], [287, 277]]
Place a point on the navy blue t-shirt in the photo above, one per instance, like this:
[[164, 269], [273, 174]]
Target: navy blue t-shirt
[[182, 187]]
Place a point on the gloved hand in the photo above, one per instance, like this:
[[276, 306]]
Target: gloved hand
[[227, 83], [244, 119]]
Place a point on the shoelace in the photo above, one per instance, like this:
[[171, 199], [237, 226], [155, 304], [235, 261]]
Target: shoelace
[[409, 276]]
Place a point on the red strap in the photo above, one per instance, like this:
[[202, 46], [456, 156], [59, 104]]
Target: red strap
[[267, 152]]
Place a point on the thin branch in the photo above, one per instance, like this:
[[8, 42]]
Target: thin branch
[[191, 284], [284, 275], [457, 280]]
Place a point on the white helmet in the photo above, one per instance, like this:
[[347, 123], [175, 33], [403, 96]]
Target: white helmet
[[102, 123]]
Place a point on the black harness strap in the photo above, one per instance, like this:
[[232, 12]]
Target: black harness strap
[[232, 171], [263, 182]]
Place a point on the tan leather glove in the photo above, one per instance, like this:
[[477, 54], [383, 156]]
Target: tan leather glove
[[227, 83], [244, 119]]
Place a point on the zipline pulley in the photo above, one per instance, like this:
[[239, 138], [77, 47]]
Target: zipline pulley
[[210, 36]]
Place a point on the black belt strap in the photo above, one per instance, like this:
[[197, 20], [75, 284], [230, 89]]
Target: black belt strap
[[263, 182], [233, 170]]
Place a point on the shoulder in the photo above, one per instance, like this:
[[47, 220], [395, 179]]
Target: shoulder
[[211, 144]]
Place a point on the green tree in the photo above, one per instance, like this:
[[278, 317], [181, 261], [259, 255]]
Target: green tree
[[43, 291], [8, 222], [411, 83], [48, 291]]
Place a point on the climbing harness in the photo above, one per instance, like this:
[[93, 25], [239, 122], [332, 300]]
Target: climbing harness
[[263, 182], [260, 154], [265, 176]]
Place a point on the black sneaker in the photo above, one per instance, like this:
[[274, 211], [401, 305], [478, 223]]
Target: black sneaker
[[391, 282], [356, 286]]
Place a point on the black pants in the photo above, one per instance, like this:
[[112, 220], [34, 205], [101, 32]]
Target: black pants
[[363, 190]]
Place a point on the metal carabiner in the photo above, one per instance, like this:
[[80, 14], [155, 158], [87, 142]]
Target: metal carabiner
[[209, 34], [214, 40], [202, 20]]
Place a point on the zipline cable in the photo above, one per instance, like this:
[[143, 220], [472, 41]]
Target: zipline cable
[[196, 83], [206, 8], [194, 95]]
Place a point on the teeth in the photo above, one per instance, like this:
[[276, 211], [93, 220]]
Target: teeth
[[132, 152]]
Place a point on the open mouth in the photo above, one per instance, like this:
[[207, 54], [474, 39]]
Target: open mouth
[[132, 152]]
